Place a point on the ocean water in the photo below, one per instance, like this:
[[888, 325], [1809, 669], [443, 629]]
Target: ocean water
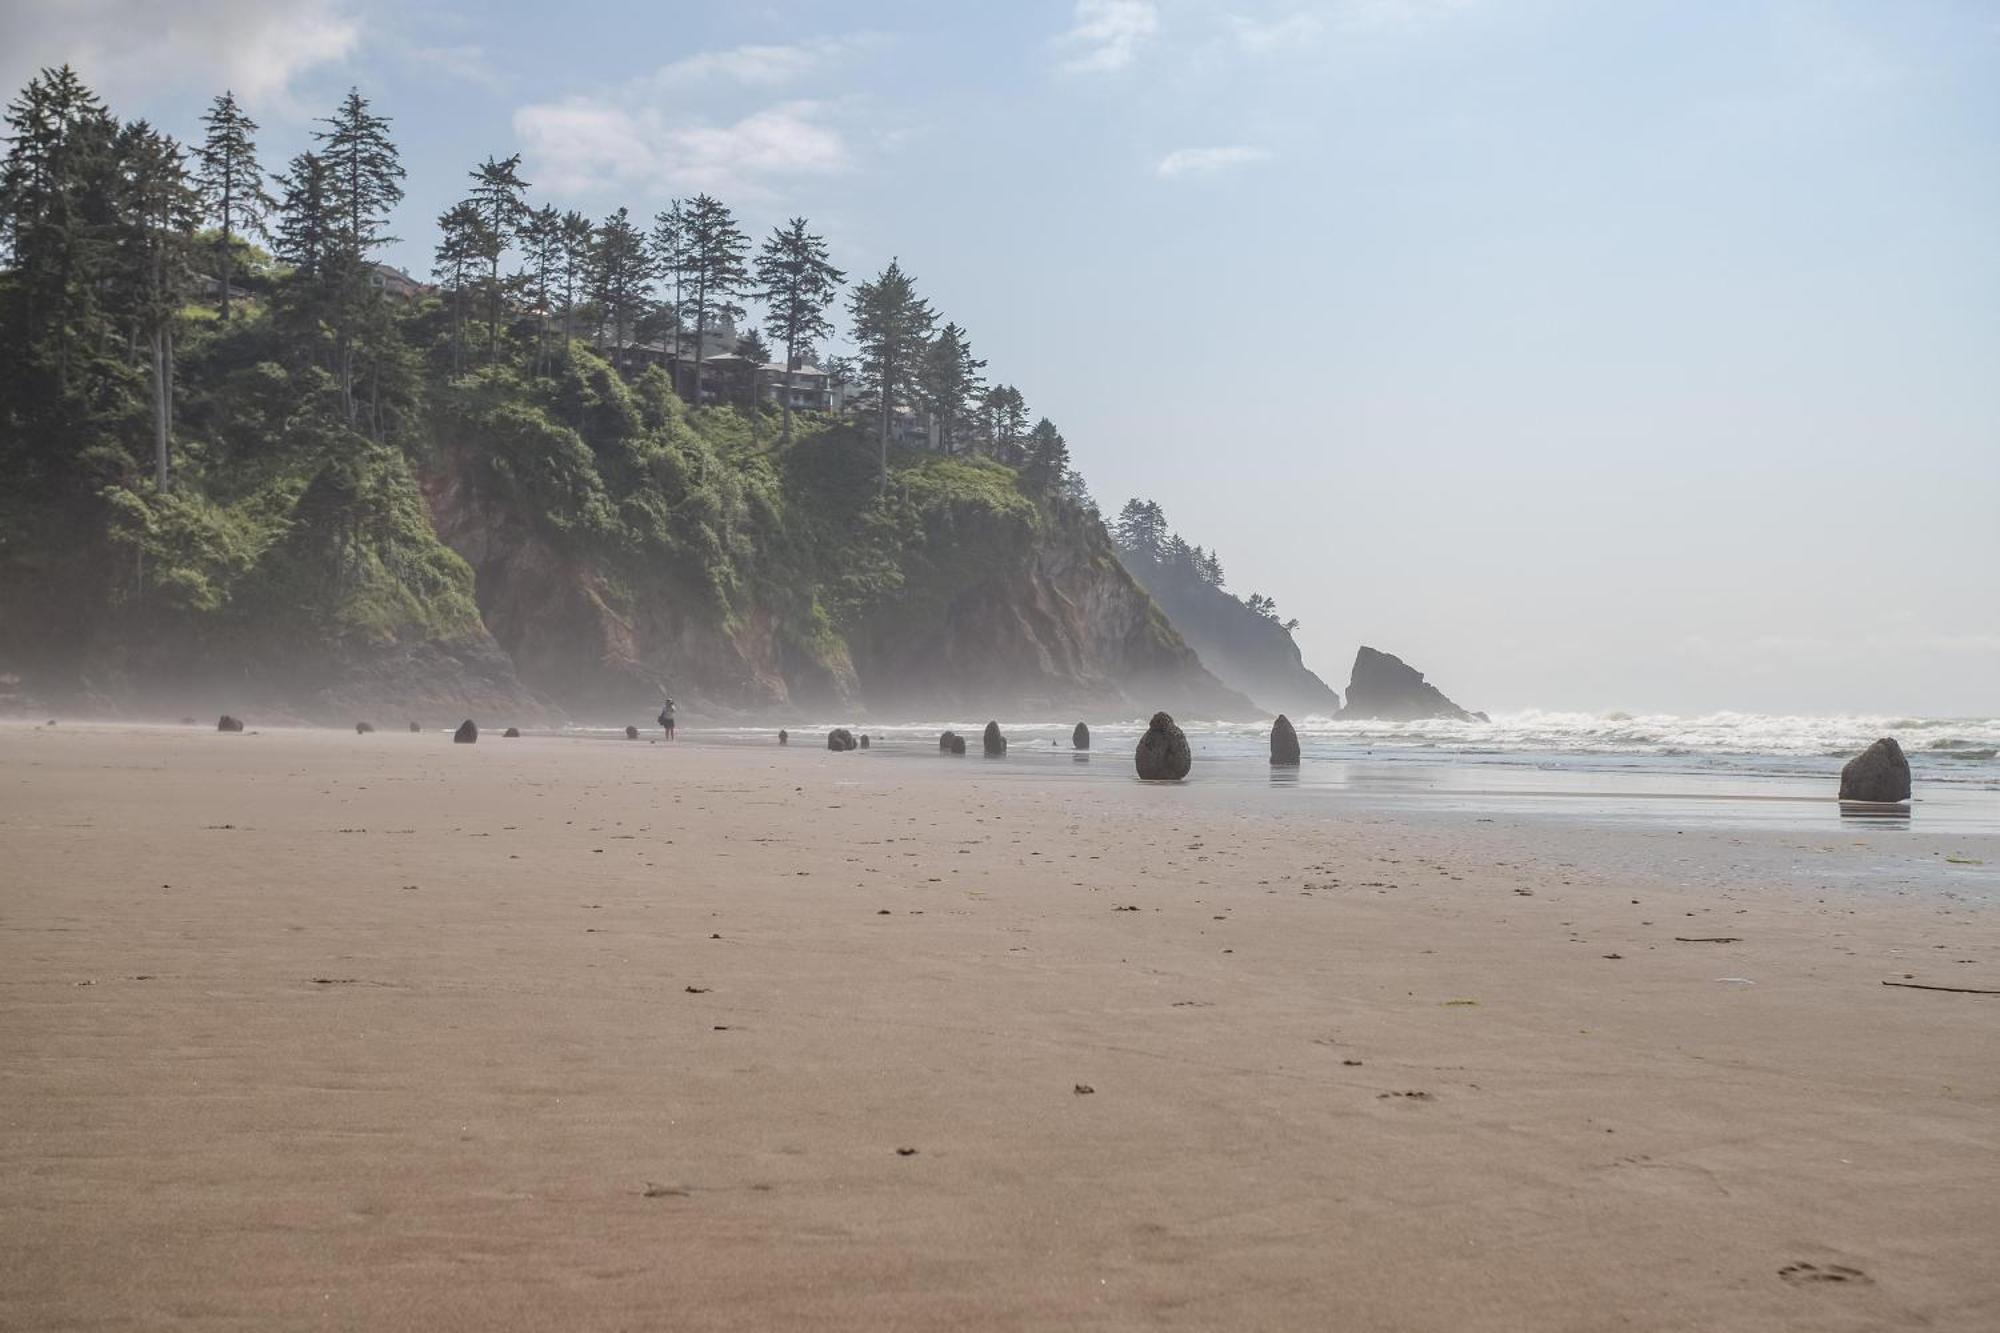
[[1743, 768]]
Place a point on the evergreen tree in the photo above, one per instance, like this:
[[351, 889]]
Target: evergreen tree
[[305, 217], [618, 273], [891, 327], [948, 383], [798, 282], [157, 206], [56, 205], [1141, 529], [712, 273], [573, 268], [231, 183], [365, 181], [1047, 466], [463, 243], [542, 248], [667, 247], [501, 197]]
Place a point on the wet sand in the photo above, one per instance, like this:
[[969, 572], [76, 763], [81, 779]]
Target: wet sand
[[310, 1029]]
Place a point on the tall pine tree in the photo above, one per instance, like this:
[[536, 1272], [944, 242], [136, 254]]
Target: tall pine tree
[[712, 274], [892, 325], [798, 282], [232, 188], [501, 198]]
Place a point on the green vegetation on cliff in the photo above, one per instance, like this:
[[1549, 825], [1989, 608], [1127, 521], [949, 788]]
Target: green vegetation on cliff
[[334, 474]]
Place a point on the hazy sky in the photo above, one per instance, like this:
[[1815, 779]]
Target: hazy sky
[[1637, 355]]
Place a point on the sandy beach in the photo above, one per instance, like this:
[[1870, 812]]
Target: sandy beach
[[309, 1029]]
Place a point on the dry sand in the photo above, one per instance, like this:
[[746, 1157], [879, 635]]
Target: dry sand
[[316, 1030]]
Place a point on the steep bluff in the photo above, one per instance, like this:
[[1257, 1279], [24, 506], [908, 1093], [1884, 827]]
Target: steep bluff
[[1248, 651]]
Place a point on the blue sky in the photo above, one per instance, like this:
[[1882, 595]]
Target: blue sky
[[1636, 355]]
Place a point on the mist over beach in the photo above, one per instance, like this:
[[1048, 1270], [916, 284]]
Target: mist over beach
[[1115, 664]]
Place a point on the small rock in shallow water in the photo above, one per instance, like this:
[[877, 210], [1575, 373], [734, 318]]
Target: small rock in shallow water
[[1879, 773], [1163, 754]]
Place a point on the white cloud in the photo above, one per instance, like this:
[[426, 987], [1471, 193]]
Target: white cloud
[[584, 144], [1107, 34], [763, 66], [130, 47], [1398, 16], [1276, 35], [1208, 161]]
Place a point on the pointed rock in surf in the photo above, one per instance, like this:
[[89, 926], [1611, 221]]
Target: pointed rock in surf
[[1385, 687], [784, 737], [945, 738], [467, 733], [1284, 743], [1163, 754], [864, 740], [1880, 773], [1080, 738], [995, 743], [228, 723]]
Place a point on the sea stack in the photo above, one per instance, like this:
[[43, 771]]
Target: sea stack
[[631, 733], [363, 728], [467, 733], [228, 723], [995, 743], [1080, 738], [1163, 754], [784, 737], [1879, 773], [1284, 743], [864, 740], [1383, 687], [945, 739], [839, 740]]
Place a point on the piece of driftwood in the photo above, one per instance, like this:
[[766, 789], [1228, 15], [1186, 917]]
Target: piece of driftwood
[[1708, 939], [1956, 990]]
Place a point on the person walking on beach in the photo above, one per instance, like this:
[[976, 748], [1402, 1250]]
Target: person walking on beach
[[667, 718]]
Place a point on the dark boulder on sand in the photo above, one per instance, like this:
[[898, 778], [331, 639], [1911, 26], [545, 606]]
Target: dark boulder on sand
[[994, 743], [414, 727], [363, 728], [1879, 773], [1080, 738], [467, 733], [1385, 687], [631, 733], [228, 723], [839, 740], [1163, 754], [511, 734], [1284, 743]]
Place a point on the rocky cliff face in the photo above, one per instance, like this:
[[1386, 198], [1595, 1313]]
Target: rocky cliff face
[[993, 611], [1385, 687], [1051, 623], [1248, 652]]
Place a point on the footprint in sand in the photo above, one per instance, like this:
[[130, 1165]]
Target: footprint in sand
[[1804, 1275]]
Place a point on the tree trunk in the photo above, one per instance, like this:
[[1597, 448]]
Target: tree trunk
[[882, 487], [160, 482]]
